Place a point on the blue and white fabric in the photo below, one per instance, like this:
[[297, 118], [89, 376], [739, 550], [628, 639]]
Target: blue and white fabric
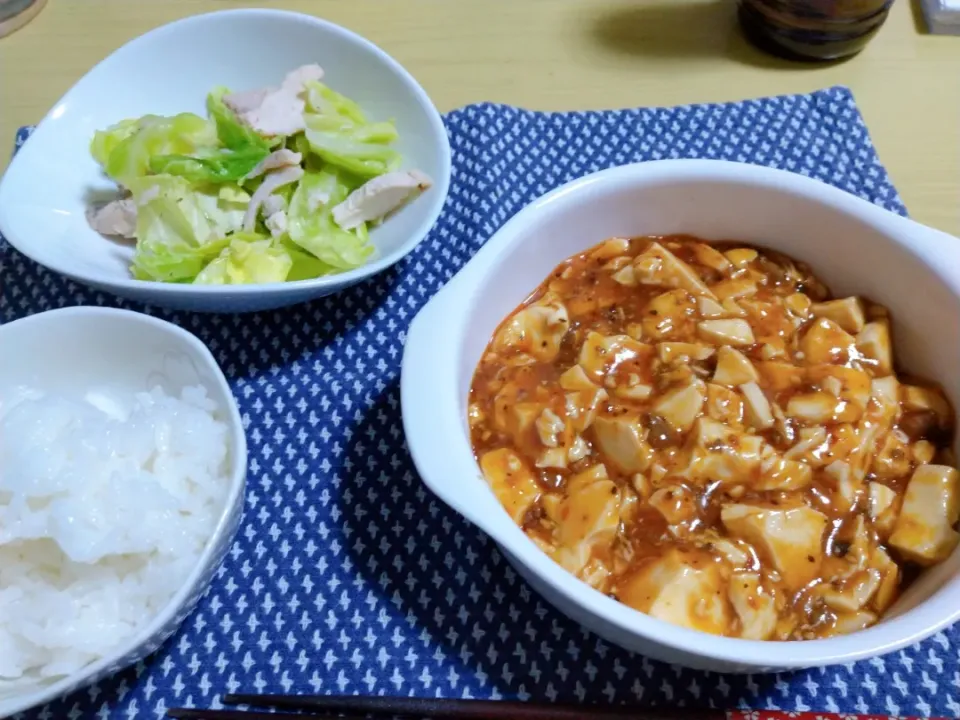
[[347, 575]]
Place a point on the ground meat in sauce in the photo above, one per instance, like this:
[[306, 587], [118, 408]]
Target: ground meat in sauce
[[696, 431]]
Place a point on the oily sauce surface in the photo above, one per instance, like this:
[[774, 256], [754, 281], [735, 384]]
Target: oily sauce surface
[[701, 432]]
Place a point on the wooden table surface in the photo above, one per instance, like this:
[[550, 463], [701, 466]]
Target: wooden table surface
[[565, 54]]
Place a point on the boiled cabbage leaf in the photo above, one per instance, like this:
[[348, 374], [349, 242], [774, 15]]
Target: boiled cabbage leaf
[[310, 223]]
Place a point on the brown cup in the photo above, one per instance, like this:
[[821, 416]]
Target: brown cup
[[812, 29]]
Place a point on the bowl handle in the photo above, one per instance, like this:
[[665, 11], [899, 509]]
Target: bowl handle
[[429, 390]]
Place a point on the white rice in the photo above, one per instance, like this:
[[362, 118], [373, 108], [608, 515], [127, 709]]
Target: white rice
[[105, 506]]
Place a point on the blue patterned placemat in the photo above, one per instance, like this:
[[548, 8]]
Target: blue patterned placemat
[[348, 576]]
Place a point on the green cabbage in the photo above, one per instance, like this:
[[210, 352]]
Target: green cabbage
[[180, 228], [232, 133], [339, 134], [249, 258], [310, 223], [324, 101], [188, 177], [174, 262], [126, 149], [243, 149], [105, 141], [305, 266], [214, 166]]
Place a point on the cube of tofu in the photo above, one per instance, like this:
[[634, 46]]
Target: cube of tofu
[[845, 383], [861, 542], [777, 376], [847, 623], [671, 352], [755, 606], [680, 407], [724, 405], [658, 266], [612, 248], [633, 390], [556, 457], [791, 539], [635, 330], [736, 553], [777, 473], [594, 473], [798, 304], [924, 530], [668, 314], [852, 593], [711, 257], [578, 449], [511, 416], [590, 515], [575, 378], [709, 308], [915, 397], [685, 589], [810, 448], [741, 257], [733, 368], [719, 453], [732, 331], [618, 263], [602, 355], [815, 408], [885, 392], [826, 343], [873, 342], [550, 428], [511, 481], [758, 414], [732, 309], [881, 504], [893, 459], [847, 313], [537, 330], [849, 485], [889, 579], [626, 276], [923, 452], [524, 415], [621, 440], [734, 288], [677, 503], [582, 406]]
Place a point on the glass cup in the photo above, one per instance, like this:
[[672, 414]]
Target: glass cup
[[812, 29]]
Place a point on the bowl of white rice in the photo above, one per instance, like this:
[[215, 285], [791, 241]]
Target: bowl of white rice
[[122, 470]]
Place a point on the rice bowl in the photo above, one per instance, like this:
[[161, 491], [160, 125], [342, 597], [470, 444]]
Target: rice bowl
[[123, 473]]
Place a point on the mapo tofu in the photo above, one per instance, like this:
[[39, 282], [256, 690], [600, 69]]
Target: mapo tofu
[[703, 433]]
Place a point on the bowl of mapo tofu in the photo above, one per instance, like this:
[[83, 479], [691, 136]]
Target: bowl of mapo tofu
[[707, 410]]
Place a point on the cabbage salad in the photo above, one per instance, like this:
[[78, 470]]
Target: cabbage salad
[[276, 184]]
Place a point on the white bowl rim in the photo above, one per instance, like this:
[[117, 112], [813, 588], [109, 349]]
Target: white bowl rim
[[441, 184], [20, 702], [426, 363]]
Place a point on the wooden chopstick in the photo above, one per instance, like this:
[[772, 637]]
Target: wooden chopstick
[[201, 714], [446, 709], [357, 707]]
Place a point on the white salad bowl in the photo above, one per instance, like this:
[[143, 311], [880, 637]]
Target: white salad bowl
[[46, 189], [74, 350], [855, 247]]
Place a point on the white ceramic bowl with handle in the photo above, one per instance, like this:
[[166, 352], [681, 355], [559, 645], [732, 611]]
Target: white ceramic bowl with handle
[[46, 189], [74, 350], [855, 247]]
